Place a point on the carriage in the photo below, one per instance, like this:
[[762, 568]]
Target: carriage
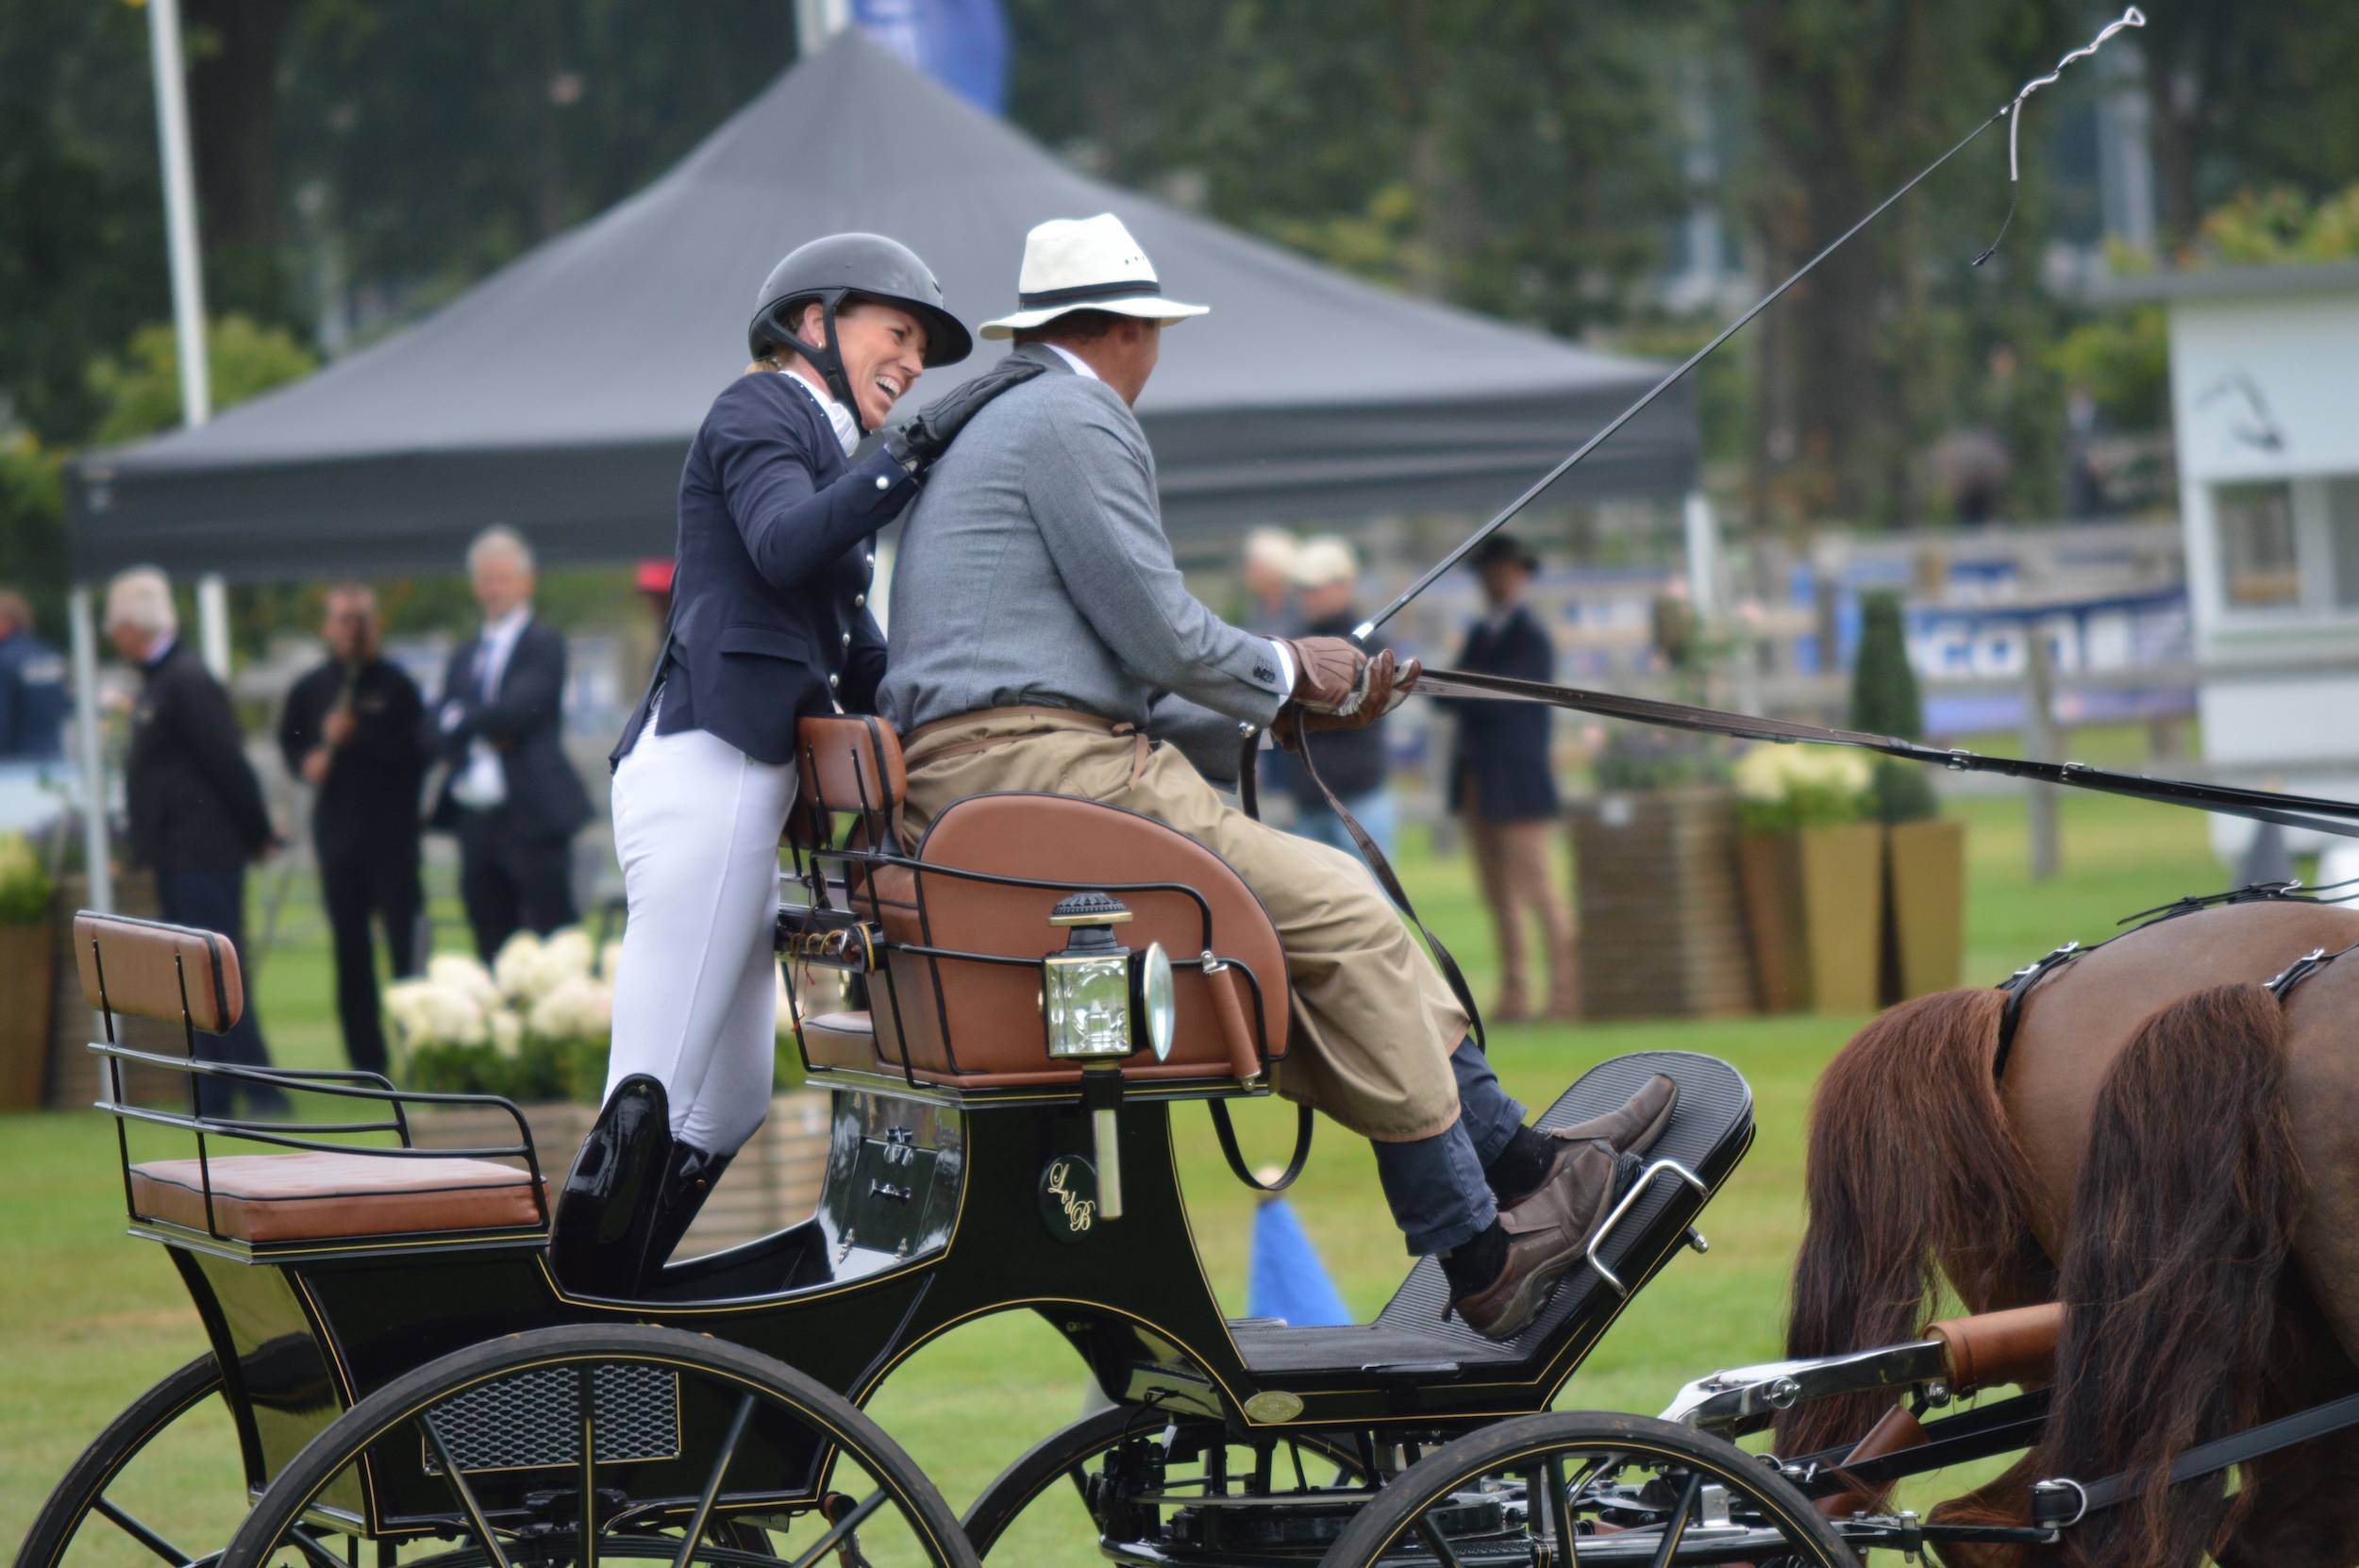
[[409, 1383]]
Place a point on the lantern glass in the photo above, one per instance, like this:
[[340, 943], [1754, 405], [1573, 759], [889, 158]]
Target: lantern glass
[[1088, 1003]]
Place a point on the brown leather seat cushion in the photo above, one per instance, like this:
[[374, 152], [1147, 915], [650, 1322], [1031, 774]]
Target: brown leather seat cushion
[[301, 1197], [850, 761]]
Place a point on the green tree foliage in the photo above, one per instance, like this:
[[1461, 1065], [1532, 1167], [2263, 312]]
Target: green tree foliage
[[2123, 359], [32, 526], [1517, 156], [141, 392], [1886, 701]]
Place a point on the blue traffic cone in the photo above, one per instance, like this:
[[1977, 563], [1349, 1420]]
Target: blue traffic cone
[[1286, 1279]]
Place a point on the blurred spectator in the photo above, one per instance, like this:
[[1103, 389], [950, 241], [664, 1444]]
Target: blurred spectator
[[1350, 761], [1500, 779], [643, 636], [32, 686], [350, 730], [196, 807], [511, 795], [1269, 563], [1268, 609]]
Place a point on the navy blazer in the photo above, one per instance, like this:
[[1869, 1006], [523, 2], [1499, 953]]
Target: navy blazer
[[770, 617], [1500, 768], [523, 723]]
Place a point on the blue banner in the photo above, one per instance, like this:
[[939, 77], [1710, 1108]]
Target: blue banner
[[960, 44]]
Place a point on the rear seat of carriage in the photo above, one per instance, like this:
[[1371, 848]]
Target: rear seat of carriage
[[975, 1023], [146, 969]]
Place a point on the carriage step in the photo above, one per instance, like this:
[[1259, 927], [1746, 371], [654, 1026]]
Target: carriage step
[[1708, 1134]]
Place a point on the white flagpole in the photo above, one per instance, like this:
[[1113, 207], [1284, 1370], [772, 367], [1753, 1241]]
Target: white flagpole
[[188, 288]]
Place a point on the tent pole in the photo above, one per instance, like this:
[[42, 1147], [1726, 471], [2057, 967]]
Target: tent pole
[[97, 868], [213, 624], [1704, 575]]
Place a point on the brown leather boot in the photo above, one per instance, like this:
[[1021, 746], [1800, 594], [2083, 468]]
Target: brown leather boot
[[1549, 1229]]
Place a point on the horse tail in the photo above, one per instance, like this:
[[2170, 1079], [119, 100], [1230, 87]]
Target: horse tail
[[2182, 1221], [1911, 1174]]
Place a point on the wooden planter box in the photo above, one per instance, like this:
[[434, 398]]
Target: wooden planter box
[[1924, 937], [1654, 876], [27, 977], [1815, 903], [773, 1183]]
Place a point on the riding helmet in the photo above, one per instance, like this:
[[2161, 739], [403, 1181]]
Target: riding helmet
[[861, 266]]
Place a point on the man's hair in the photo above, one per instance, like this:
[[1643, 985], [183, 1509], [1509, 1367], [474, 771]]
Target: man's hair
[[141, 598], [1273, 548], [16, 610], [499, 538], [1074, 326], [351, 588]]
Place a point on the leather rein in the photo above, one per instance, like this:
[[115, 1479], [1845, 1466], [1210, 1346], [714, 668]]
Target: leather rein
[[2316, 812]]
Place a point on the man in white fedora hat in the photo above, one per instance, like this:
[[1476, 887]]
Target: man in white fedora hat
[[1043, 640]]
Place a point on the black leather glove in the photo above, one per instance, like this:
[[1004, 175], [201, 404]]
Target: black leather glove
[[917, 444]]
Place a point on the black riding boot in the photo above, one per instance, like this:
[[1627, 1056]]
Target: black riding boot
[[598, 1236], [688, 1178]]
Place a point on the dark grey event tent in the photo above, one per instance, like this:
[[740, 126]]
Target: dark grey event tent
[[560, 394]]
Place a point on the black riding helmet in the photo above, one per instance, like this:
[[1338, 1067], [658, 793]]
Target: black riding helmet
[[852, 266]]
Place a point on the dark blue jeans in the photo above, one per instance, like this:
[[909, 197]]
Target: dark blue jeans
[[1435, 1186], [213, 899]]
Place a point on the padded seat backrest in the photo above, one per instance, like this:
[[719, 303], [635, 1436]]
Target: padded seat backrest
[[849, 762], [997, 1035], [145, 967]]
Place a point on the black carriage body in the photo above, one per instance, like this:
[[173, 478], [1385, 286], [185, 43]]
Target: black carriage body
[[934, 1212]]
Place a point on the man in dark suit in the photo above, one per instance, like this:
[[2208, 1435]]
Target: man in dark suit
[[1500, 779], [350, 730], [511, 795], [196, 807]]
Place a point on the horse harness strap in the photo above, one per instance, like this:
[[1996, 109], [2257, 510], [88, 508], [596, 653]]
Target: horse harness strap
[[2280, 985], [2019, 986], [2062, 1502]]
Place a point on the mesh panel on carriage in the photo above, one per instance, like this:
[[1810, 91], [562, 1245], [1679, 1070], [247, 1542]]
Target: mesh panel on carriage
[[1708, 1133]]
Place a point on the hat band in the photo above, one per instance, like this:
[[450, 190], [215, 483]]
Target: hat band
[[1034, 299]]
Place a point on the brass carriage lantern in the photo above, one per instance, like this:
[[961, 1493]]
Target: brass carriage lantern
[[1095, 997]]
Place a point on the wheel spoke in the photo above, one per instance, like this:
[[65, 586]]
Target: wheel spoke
[[841, 1528], [1675, 1527], [312, 1548], [468, 1504], [1435, 1542], [712, 1488], [140, 1533], [1568, 1531]]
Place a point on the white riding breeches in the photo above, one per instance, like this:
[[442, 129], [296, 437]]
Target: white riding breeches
[[697, 824]]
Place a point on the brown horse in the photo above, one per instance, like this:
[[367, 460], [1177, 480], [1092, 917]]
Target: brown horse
[[2165, 1136]]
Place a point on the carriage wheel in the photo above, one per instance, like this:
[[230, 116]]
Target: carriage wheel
[[102, 1510], [1056, 1474], [726, 1402], [1588, 1488]]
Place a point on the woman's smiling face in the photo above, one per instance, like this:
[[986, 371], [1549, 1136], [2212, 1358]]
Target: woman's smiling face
[[883, 350]]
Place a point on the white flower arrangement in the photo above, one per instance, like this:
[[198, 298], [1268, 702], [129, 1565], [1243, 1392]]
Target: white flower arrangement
[[1782, 787], [534, 1024]]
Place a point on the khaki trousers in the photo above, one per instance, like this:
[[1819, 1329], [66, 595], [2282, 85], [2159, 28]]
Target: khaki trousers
[[1518, 876], [1373, 1022]]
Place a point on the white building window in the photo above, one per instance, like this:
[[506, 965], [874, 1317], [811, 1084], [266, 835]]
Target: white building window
[[2287, 545]]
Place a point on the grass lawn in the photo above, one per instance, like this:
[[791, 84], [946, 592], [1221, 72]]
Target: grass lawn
[[87, 1318]]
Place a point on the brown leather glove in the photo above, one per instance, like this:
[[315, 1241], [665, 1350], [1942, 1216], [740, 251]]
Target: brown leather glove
[[1330, 672], [1381, 685]]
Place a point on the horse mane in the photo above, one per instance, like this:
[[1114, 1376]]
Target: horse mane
[[2184, 1219], [1892, 1211]]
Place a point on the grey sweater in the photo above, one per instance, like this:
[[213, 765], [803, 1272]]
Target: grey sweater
[[1033, 572]]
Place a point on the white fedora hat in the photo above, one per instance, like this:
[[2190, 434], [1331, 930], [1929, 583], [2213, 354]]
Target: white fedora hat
[[1086, 264]]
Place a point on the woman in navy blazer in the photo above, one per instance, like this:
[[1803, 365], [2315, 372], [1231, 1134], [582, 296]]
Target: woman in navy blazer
[[770, 621]]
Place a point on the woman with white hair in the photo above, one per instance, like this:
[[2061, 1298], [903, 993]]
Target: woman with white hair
[[769, 620]]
